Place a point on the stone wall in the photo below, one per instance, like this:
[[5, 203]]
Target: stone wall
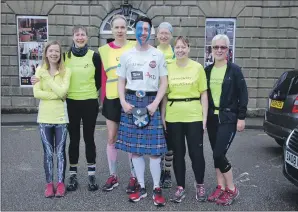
[[266, 37]]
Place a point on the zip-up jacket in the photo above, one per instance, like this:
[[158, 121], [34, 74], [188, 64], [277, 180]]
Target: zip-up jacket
[[234, 95]]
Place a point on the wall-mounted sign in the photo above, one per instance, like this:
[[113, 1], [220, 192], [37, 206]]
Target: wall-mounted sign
[[32, 35], [215, 26]]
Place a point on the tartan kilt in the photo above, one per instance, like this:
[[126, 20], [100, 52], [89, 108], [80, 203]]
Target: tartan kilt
[[148, 140]]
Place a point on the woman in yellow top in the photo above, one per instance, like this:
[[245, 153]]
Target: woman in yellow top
[[82, 104], [164, 37], [184, 112], [51, 89], [111, 110]]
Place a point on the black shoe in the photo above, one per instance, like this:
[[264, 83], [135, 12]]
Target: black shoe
[[92, 186], [167, 180], [72, 183]]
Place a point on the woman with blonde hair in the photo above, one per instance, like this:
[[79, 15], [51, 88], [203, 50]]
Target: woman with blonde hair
[[51, 89], [82, 104]]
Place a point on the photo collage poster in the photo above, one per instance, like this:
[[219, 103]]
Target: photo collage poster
[[215, 26], [32, 36]]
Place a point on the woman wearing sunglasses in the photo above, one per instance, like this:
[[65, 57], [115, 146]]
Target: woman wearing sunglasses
[[228, 99]]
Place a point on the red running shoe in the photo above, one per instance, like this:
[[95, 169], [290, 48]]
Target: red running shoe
[[137, 196], [133, 185], [216, 194], [228, 197], [158, 199], [111, 183]]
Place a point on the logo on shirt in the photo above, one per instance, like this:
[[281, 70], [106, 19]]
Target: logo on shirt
[[117, 58], [151, 76], [152, 64], [136, 75], [86, 66]]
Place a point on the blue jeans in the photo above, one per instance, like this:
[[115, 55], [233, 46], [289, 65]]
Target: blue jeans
[[53, 137]]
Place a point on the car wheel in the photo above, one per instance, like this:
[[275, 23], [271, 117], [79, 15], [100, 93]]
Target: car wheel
[[280, 141]]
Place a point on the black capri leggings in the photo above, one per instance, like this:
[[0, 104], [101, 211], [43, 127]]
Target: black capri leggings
[[193, 131], [220, 137]]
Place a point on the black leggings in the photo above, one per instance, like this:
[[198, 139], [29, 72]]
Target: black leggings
[[87, 111], [193, 132], [221, 137]]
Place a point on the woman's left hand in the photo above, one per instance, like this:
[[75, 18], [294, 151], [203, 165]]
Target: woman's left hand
[[240, 125]]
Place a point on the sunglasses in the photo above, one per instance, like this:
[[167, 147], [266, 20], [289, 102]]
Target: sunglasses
[[221, 47]]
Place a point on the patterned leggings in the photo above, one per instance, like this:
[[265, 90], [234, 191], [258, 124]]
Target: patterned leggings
[[53, 137]]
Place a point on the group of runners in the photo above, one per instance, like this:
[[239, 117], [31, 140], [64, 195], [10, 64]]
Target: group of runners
[[153, 98]]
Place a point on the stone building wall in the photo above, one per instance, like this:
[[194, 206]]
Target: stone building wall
[[266, 37]]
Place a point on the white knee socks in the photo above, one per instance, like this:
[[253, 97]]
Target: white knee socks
[[155, 171], [139, 166]]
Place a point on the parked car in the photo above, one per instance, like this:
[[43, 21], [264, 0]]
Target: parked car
[[290, 168], [281, 116]]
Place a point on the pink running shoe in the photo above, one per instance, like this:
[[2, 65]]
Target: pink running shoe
[[60, 190], [49, 192]]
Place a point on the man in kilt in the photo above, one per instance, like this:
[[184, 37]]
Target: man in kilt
[[142, 84]]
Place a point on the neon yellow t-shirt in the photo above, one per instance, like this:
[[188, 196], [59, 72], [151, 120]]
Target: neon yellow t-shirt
[[216, 79], [185, 82], [168, 53]]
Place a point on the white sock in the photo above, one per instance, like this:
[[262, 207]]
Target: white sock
[[155, 171], [139, 167]]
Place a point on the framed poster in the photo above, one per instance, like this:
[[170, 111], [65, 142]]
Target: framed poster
[[32, 34], [215, 26]]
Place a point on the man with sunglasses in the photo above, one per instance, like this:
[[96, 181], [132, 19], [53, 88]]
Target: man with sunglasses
[[228, 99]]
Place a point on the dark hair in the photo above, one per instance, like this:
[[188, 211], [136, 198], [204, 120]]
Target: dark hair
[[74, 30], [183, 39], [144, 19]]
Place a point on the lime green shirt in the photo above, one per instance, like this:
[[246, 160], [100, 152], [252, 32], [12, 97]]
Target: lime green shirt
[[82, 82], [185, 82], [216, 80], [51, 90], [168, 53]]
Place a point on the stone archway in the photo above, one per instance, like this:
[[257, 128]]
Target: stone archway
[[131, 14]]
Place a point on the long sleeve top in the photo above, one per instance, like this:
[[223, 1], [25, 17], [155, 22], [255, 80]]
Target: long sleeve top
[[51, 90]]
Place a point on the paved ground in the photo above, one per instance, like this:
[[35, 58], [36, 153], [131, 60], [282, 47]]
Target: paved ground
[[255, 156], [30, 119]]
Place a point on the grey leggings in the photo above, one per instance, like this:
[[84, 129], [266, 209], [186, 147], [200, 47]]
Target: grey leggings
[[53, 137]]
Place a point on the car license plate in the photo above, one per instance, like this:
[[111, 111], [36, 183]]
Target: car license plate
[[277, 104], [292, 159]]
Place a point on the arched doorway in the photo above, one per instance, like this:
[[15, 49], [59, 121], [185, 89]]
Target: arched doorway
[[131, 14]]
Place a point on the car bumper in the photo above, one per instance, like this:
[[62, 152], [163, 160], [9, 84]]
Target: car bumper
[[289, 171], [276, 131]]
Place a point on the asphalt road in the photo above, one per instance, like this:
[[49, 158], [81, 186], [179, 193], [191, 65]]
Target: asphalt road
[[256, 159]]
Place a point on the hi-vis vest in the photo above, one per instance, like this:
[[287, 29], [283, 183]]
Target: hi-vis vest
[[110, 58], [82, 81], [168, 53]]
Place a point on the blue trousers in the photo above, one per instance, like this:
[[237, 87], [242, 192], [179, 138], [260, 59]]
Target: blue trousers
[[53, 137]]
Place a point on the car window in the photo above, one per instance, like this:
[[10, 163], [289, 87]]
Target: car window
[[281, 87], [294, 87]]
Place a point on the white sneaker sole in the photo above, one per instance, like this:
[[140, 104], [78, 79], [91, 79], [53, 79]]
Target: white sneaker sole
[[141, 197], [114, 186]]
